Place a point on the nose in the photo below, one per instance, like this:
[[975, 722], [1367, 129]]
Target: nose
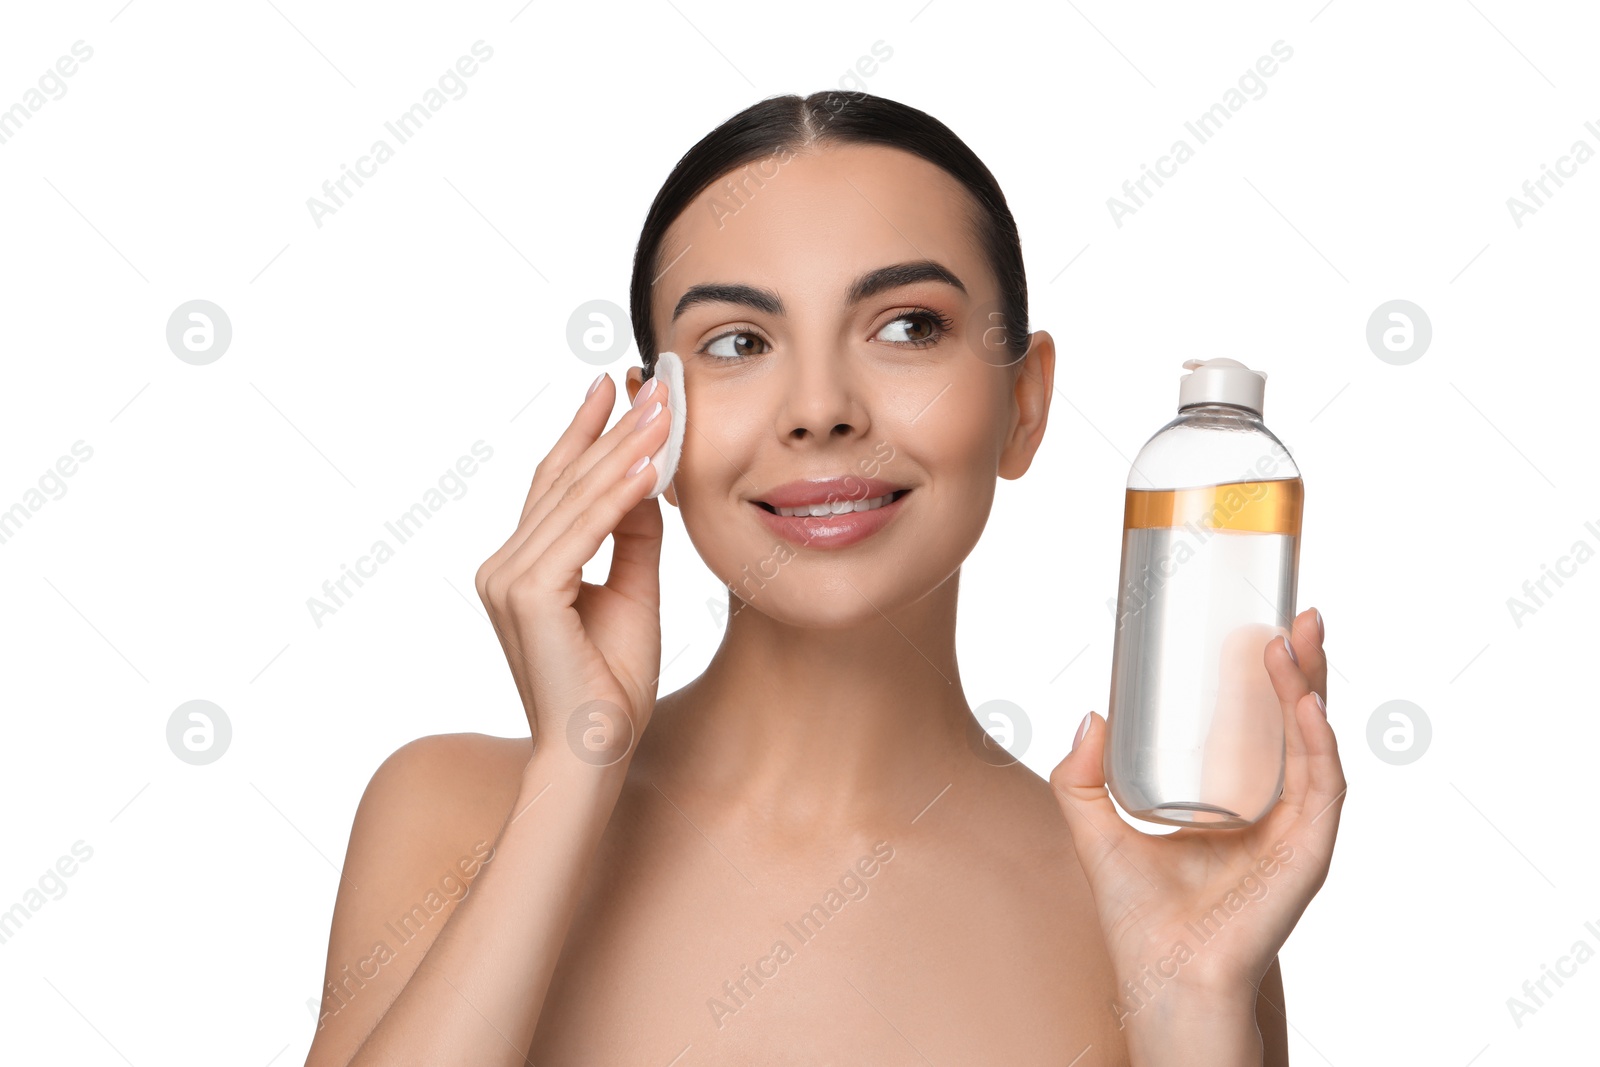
[[822, 399]]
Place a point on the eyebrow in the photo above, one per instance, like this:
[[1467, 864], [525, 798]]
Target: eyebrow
[[869, 284]]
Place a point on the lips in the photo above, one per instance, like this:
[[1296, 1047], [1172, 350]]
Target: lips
[[836, 507], [803, 493], [830, 530]]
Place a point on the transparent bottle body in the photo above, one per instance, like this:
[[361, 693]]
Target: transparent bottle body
[[1210, 561]]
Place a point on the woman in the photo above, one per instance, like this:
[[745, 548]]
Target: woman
[[804, 855]]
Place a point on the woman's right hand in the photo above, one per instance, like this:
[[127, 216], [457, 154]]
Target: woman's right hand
[[586, 658]]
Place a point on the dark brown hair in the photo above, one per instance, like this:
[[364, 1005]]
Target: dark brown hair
[[834, 116]]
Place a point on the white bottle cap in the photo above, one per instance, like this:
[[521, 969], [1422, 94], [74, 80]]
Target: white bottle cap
[[1221, 381]]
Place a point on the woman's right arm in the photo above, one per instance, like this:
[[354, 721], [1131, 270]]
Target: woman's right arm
[[586, 659], [474, 996]]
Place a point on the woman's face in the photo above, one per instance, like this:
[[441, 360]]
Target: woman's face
[[790, 378]]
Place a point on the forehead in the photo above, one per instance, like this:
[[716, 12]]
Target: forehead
[[808, 226]]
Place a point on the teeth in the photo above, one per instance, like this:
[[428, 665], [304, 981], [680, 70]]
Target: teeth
[[838, 507]]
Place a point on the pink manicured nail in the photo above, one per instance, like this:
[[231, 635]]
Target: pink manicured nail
[[1322, 632], [1321, 704], [1083, 728], [595, 385], [1290, 649], [638, 465], [644, 393]]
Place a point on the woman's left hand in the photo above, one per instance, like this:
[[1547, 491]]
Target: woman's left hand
[[1201, 913]]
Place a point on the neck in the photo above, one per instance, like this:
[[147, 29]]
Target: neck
[[817, 730]]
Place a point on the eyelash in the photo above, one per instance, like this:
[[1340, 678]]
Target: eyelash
[[942, 323]]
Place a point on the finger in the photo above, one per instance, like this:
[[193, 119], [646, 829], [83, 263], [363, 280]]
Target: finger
[[587, 423], [567, 504], [537, 586], [1307, 636], [575, 451], [550, 488], [546, 571], [1291, 685], [596, 450], [1326, 786], [653, 392], [635, 570], [1079, 783]]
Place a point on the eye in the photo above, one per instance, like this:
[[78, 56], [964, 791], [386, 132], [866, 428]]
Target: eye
[[739, 349], [927, 327]]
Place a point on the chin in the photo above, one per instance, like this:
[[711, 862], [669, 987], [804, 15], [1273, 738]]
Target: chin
[[844, 609], [826, 591]]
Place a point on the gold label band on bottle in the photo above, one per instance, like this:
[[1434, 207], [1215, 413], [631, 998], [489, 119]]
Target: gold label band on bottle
[[1250, 507]]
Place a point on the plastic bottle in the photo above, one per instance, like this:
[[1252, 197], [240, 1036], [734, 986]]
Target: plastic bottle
[[1210, 561]]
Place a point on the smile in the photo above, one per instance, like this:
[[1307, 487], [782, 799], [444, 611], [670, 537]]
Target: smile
[[836, 524], [837, 507]]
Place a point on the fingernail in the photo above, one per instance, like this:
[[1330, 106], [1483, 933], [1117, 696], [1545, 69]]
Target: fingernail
[[644, 393], [595, 385], [638, 465], [1321, 704], [655, 409], [1290, 649], [1083, 728], [1322, 632]]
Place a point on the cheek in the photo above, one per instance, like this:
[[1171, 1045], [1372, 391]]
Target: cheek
[[717, 466], [957, 453], [956, 439], [719, 443]]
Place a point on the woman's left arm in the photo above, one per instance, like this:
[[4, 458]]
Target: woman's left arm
[[1193, 920]]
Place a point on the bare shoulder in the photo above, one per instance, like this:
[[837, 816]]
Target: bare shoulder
[[1032, 814], [424, 829], [448, 773], [430, 796], [1012, 840]]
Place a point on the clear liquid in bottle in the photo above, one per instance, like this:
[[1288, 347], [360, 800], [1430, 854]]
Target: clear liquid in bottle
[[1209, 570]]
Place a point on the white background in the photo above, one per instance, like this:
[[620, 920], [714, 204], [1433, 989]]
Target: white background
[[431, 312]]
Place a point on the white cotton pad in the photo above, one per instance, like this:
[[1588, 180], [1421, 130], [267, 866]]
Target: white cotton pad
[[670, 368]]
